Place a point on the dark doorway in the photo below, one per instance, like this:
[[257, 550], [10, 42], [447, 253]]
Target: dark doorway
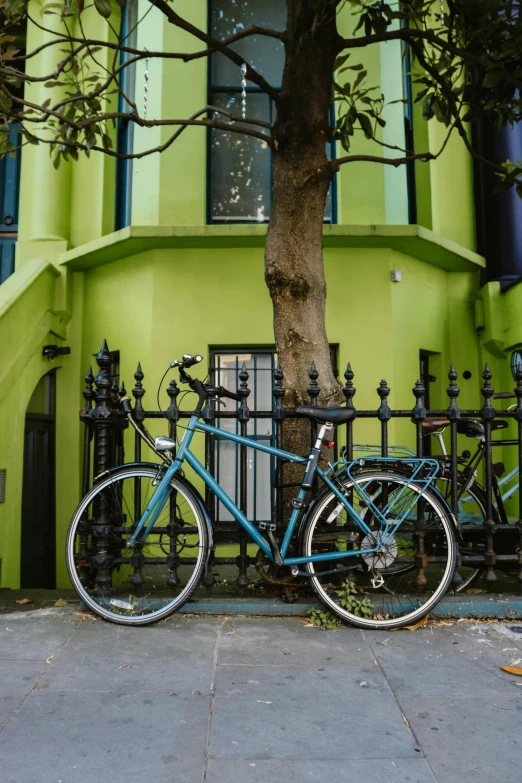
[[38, 556], [426, 379]]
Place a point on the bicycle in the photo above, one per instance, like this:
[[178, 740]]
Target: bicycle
[[471, 495], [377, 544]]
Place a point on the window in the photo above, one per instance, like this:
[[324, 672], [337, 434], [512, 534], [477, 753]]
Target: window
[[240, 167], [9, 197], [10, 170], [125, 128], [408, 135], [225, 366]]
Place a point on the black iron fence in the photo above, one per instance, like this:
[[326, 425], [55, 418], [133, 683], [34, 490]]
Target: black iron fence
[[491, 544]]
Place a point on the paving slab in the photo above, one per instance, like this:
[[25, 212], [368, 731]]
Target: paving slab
[[267, 712], [284, 641], [172, 657], [459, 659], [297, 771], [17, 679], [90, 736], [465, 738], [33, 638]]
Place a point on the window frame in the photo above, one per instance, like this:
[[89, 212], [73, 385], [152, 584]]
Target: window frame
[[250, 89]]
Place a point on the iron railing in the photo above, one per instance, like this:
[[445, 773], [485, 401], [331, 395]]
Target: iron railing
[[105, 423]]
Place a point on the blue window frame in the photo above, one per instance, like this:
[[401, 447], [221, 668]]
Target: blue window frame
[[9, 198], [125, 128], [239, 167], [409, 142]]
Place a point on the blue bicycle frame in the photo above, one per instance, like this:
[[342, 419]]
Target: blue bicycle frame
[[160, 496]]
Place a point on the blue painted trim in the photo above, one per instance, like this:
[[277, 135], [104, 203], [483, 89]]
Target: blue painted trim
[[509, 608]]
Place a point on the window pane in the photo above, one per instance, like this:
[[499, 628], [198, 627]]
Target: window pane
[[241, 167], [264, 54], [260, 366]]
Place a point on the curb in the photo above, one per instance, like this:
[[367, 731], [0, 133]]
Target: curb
[[500, 608]]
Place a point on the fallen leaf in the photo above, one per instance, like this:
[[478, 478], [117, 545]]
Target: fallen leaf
[[231, 633], [384, 643], [49, 659], [61, 602], [263, 702], [510, 649], [420, 624], [24, 601], [514, 663], [124, 666], [512, 670]]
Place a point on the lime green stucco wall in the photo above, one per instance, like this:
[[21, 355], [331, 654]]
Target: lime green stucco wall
[[169, 284]]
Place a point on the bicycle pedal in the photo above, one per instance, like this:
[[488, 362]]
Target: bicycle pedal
[[268, 526]]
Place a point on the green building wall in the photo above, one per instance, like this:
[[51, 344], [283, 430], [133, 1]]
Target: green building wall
[[169, 284]]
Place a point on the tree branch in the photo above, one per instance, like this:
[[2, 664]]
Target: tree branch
[[131, 117], [253, 30], [251, 74], [411, 34]]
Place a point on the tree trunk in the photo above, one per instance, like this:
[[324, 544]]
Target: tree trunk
[[294, 269]]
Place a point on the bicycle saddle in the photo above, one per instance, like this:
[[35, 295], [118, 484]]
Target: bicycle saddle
[[432, 425], [475, 429], [469, 427], [322, 415]]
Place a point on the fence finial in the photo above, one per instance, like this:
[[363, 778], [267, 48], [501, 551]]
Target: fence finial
[[453, 392], [279, 392], [487, 391], [313, 390], [88, 392], [173, 391], [138, 393], [349, 389]]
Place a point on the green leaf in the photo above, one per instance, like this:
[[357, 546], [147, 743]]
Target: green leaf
[[103, 7], [492, 78], [341, 60], [360, 76], [366, 125]]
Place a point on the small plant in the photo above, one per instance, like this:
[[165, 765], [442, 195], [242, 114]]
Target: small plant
[[324, 620], [348, 600]]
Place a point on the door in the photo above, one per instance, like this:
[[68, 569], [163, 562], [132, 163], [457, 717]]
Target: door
[[38, 553]]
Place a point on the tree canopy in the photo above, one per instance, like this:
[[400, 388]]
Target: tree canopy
[[466, 58]]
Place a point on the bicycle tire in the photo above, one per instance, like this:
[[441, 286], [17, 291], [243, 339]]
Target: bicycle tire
[[317, 522], [79, 527]]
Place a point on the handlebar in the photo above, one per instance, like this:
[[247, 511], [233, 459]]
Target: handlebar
[[187, 361]]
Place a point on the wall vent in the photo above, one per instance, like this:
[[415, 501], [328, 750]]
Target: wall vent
[[2, 485]]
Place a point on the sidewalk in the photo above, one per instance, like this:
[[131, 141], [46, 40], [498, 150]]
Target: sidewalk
[[255, 700]]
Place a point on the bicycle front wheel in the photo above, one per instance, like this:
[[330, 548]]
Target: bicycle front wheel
[[148, 582], [382, 585]]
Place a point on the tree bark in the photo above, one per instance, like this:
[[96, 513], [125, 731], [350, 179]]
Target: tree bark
[[294, 269]]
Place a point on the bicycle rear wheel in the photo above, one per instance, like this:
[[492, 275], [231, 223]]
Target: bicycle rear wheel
[[406, 577], [146, 583]]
